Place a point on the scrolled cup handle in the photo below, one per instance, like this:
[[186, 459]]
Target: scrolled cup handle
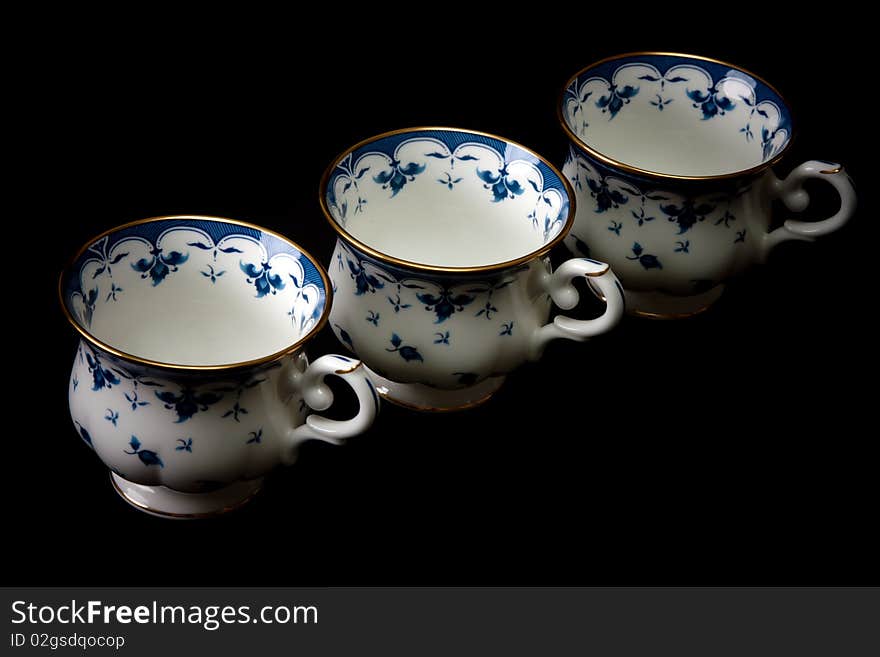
[[791, 191], [559, 286], [309, 382]]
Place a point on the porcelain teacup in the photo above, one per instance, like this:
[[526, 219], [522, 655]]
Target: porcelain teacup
[[670, 158], [190, 381], [441, 274]]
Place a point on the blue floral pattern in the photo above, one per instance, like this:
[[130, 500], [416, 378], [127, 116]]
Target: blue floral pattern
[[645, 260], [188, 402], [147, 457], [219, 252], [454, 306], [662, 82], [408, 353], [398, 175], [458, 161]]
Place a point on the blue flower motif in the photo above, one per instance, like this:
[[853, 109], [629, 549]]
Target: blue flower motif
[[363, 281], [213, 275], [452, 158], [726, 218], [616, 98], [406, 352], [605, 198], [344, 336], [640, 216], [262, 280], [75, 382], [147, 457], [645, 260], [615, 227], [188, 402], [159, 264], [683, 247], [373, 317], [501, 184], [687, 214], [747, 130], [134, 401], [507, 328], [215, 248], [101, 376], [397, 304], [740, 236], [445, 303], [114, 290], [767, 145], [85, 435], [442, 338], [581, 246], [100, 248], [185, 445], [397, 176], [487, 309], [236, 410], [450, 182], [663, 79], [710, 102], [660, 103], [90, 299], [112, 416], [256, 437]]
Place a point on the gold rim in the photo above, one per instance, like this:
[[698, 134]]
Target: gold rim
[[384, 257], [610, 161], [435, 409], [647, 314], [360, 363], [184, 516], [328, 299]]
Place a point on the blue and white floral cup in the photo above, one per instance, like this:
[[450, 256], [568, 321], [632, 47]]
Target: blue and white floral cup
[[190, 380], [670, 160], [442, 280]]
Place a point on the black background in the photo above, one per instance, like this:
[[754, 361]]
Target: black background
[[734, 448]]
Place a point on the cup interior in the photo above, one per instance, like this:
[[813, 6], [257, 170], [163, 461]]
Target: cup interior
[[676, 115], [447, 198], [194, 291]]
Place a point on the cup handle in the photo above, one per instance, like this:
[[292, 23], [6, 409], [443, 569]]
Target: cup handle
[[790, 190], [558, 285], [308, 380]]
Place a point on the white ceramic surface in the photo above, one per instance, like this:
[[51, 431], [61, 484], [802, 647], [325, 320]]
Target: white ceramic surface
[[441, 280], [190, 381]]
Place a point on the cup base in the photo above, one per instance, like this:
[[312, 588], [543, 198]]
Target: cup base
[[167, 503], [658, 305], [419, 397]]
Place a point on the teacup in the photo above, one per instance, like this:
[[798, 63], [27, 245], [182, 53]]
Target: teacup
[[442, 280], [670, 160], [190, 381]]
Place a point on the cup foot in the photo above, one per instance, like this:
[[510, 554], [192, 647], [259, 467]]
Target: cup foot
[[167, 503], [658, 305], [419, 397]]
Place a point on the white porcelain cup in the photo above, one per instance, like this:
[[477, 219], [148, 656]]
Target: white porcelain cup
[[190, 381], [441, 273], [670, 160]]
